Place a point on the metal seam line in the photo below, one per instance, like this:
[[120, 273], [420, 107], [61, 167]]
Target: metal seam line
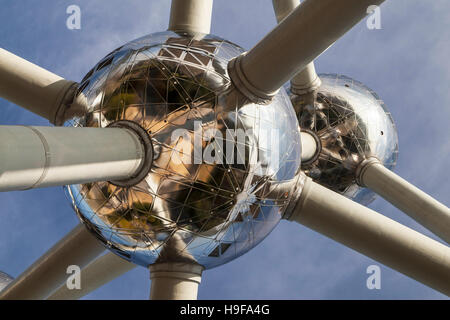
[[47, 157]]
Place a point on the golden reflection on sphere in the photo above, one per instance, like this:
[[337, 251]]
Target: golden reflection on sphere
[[206, 211]]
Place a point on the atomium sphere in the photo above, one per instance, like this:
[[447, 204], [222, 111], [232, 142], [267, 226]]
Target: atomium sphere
[[213, 191], [351, 124], [5, 280]]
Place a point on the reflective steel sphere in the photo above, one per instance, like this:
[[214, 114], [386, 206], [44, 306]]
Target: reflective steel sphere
[[213, 190], [351, 124], [5, 280]]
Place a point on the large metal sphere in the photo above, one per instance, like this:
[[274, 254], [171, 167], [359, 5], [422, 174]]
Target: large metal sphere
[[351, 124], [188, 208], [5, 280]]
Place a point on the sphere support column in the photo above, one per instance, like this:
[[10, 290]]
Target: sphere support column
[[49, 272], [36, 89], [426, 210], [373, 235], [292, 45], [191, 16], [306, 80], [37, 157], [175, 281]]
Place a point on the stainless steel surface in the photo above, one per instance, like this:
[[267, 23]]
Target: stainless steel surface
[[352, 124], [205, 209], [5, 280]]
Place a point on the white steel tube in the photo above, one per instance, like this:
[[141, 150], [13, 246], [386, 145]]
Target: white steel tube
[[309, 146], [300, 38], [35, 157], [306, 80], [283, 8], [426, 210], [79, 247], [191, 16], [99, 272], [175, 281], [374, 235], [32, 87]]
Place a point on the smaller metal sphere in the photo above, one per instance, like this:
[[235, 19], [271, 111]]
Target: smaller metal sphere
[[5, 280], [352, 124]]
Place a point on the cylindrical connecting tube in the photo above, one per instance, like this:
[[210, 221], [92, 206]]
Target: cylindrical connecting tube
[[423, 208], [175, 281], [310, 147], [306, 80], [32, 87], [191, 16], [49, 272], [97, 273], [36, 157], [374, 235], [299, 39]]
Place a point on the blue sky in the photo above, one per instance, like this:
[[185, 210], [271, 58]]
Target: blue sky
[[406, 63]]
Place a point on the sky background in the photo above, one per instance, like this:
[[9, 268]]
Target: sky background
[[406, 63]]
